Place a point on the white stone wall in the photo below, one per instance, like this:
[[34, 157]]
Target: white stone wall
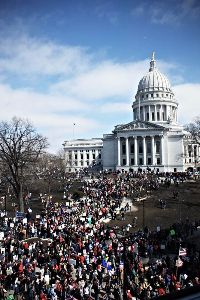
[[109, 153], [174, 153], [79, 153]]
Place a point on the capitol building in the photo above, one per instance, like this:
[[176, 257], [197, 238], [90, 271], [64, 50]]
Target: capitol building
[[153, 140]]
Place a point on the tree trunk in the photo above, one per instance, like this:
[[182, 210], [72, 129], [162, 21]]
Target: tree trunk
[[21, 200]]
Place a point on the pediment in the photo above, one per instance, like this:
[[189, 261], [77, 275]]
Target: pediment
[[138, 125]]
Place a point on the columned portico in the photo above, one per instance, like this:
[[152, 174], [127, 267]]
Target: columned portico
[[156, 154]]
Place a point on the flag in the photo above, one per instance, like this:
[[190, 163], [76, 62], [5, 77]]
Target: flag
[[182, 251]]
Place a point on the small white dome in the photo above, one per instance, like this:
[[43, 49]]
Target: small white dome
[[154, 80]]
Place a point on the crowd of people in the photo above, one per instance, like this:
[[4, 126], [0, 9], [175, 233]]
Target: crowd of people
[[68, 251]]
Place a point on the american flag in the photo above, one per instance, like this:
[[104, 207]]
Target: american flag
[[182, 251]]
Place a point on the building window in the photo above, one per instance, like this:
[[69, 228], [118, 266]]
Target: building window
[[81, 156], [81, 150], [190, 160], [132, 161], [81, 163], [151, 95], [153, 116], [195, 151], [87, 150], [149, 147], [140, 148], [162, 95], [163, 116], [75, 163], [157, 95], [93, 156], [140, 161], [146, 95], [166, 95], [123, 149], [158, 116], [132, 148], [158, 161], [87, 163], [149, 160], [75, 156], [158, 147], [124, 161], [100, 156], [147, 116], [142, 96], [87, 156], [93, 150], [70, 157]]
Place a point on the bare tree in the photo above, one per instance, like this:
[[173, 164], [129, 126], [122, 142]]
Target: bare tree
[[20, 148], [51, 170], [194, 129]]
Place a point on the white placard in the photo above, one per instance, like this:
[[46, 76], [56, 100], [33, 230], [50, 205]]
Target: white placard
[[158, 228], [12, 225], [46, 278], [24, 221], [1, 235]]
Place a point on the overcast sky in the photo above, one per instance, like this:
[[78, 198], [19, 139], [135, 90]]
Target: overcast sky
[[79, 62]]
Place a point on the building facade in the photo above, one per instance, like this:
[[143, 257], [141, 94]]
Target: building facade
[[153, 140], [83, 153]]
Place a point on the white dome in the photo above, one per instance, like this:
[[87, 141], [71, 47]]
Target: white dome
[[154, 80]]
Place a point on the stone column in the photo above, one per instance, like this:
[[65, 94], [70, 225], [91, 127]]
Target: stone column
[[78, 158], [119, 151], [127, 152], [150, 119], [135, 151], [90, 157], [160, 112], [192, 156], [162, 148], [186, 153], [152, 150], [144, 151], [155, 113], [84, 158], [143, 112]]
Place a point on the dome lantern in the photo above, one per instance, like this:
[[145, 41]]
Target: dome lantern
[[152, 62]]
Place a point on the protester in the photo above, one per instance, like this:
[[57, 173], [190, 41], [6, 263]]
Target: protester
[[69, 251]]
